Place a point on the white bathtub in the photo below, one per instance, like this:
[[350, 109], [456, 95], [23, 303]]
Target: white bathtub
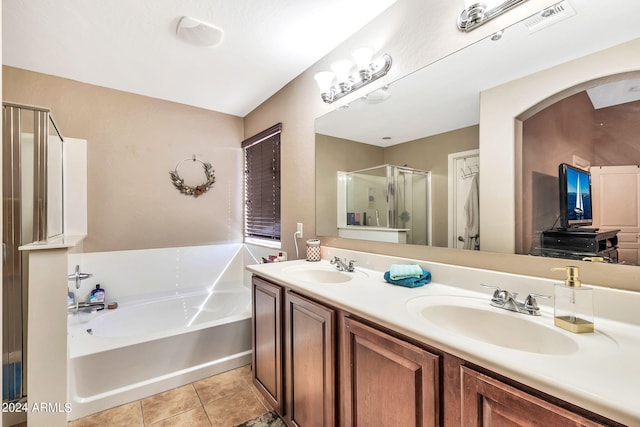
[[152, 344]]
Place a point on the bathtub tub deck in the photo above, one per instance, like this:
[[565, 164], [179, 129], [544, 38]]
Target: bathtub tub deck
[[151, 344]]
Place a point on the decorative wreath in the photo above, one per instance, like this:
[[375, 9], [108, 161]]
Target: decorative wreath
[[193, 190]]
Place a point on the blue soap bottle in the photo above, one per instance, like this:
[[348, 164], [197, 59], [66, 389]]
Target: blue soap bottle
[[97, 295]]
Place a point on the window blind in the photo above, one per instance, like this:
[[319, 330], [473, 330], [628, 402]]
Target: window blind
[[262, 184]]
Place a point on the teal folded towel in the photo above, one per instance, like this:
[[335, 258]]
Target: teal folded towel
[[410, 282], [404, 271]]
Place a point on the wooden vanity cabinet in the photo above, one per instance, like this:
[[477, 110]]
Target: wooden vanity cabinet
[[294, 356], [488, 402], [320, 367], [310, 363], [386, 381], [267, 342]]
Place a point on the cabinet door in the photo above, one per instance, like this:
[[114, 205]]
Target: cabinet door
[[386, 381], [267, 341], [310, 361], [489, 402]]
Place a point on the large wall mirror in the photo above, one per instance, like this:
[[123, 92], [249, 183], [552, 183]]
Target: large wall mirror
[[430, 120]]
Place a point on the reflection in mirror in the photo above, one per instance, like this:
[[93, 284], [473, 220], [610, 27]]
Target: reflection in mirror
[[385, 203], [423, 118], [427, 154], [595, 130]]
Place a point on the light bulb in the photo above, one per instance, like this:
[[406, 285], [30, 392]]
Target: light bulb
[[342, 69], [325, 83], [492, 4], [324, 80], [363, 57]]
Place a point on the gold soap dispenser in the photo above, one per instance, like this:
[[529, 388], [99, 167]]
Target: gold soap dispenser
[[573, 303]]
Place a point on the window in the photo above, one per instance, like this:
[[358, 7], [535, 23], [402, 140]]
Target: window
[[262, 186]]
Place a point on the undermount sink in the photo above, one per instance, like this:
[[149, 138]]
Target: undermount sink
[[321, 274], [474, 318]]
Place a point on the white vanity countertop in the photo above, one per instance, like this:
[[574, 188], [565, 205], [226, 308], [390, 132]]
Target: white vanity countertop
[[602, 375]]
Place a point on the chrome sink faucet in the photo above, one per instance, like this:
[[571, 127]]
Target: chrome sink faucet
[[507, 300], [342, 265]]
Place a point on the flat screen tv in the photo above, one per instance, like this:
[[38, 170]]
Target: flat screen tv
[[575, 197]]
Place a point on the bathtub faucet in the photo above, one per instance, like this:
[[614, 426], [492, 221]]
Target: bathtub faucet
[[86, 307], [77, 276]]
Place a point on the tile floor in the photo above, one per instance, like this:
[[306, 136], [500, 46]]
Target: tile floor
[[223, 400]]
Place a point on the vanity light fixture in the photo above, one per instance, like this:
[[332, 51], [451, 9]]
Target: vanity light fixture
[[345, 78], [477, 12]]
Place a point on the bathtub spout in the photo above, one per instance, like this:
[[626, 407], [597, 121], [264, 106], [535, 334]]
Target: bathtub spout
[[86, 307]]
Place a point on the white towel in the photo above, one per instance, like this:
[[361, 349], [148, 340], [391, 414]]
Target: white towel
[[471, 207]]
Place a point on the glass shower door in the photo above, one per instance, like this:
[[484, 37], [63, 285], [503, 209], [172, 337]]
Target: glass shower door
[[413, 201], [32, 212]]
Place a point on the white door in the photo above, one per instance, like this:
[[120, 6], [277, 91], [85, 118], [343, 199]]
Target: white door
[[616, 205], [463, 167]]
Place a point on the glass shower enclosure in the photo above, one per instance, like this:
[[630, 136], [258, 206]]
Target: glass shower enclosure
[[385, 203], [32, 212]]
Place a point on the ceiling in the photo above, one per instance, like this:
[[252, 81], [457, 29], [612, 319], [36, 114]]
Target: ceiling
[[614, 93], [131, 45], [445, 95]]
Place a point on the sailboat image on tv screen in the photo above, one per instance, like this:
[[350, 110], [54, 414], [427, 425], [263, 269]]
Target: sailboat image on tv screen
[[579, 206]]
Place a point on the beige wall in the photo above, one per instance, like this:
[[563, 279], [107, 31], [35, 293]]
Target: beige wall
[[133, 143]]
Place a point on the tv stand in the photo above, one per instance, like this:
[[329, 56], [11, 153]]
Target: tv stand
[[578, 230], [578, 243]]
